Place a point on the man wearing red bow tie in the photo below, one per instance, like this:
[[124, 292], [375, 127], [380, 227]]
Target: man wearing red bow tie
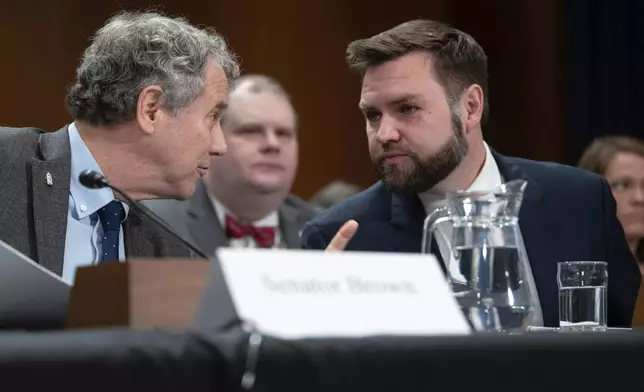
[[244, 200]]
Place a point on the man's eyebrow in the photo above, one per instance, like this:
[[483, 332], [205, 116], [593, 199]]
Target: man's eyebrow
[[404, 98], [220, 106]]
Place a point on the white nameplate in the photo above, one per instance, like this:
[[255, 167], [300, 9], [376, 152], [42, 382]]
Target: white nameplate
[[305, 293]]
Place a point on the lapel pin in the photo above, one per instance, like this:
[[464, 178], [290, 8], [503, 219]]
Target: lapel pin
[[48, 179]]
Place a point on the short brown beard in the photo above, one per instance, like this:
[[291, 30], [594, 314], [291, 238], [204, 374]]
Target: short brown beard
[[428, 171]]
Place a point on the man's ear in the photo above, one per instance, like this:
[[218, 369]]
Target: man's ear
[[148, 108], [472, 102]]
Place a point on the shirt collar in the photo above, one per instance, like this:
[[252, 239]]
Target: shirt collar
[[86, 201], [488, 178]]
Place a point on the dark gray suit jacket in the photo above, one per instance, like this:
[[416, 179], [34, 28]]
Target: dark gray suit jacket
[[33, 214], [197, 221]]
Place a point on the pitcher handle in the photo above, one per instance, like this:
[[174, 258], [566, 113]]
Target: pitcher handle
[[429, 226]]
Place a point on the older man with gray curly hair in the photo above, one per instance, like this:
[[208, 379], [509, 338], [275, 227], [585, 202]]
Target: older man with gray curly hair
[[146, 104]]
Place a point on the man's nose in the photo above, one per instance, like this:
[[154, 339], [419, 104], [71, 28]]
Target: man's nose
[[387, 131], [271, 141], [218, 144], [638, 195]]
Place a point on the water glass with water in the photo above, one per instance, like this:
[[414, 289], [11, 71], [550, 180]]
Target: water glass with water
[[582, 295]]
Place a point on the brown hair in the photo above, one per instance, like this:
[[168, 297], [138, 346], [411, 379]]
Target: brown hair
[[601, 151], [459, 61]]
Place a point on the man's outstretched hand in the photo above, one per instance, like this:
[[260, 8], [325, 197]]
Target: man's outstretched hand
[[343, 236]]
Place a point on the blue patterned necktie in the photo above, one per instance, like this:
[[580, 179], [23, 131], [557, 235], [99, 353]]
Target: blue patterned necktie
[[111, 216]]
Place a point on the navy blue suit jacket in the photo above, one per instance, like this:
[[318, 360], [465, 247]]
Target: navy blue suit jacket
[[567, 214]]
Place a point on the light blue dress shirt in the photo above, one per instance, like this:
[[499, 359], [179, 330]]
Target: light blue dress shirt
[[84, 231]]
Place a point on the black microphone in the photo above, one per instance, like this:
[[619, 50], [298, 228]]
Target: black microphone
[[95, 180]]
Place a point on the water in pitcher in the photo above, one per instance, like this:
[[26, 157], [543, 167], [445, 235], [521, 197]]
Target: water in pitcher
[[489, 289], [489, 271]]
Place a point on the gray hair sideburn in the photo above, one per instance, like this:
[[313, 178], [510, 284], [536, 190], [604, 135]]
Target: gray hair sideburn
[[133, 51]]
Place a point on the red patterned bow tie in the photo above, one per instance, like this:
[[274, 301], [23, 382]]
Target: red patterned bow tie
[[264, 236]]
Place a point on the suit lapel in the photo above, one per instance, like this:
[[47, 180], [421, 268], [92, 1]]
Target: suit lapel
[[407, 217], [290, 226], [532, 220], [137, 241], [511, 171], [50, 198], [203, 223]]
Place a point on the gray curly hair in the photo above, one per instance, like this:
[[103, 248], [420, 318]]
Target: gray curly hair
[[137, 50]]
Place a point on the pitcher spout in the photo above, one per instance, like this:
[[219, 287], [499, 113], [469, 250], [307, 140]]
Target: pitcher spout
[[514, 187]]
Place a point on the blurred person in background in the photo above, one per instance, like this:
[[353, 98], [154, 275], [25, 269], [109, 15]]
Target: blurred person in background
[[245, 200], [333, 193], [620, 159]]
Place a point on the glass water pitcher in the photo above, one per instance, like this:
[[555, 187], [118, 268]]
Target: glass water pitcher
[[488, 268]]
